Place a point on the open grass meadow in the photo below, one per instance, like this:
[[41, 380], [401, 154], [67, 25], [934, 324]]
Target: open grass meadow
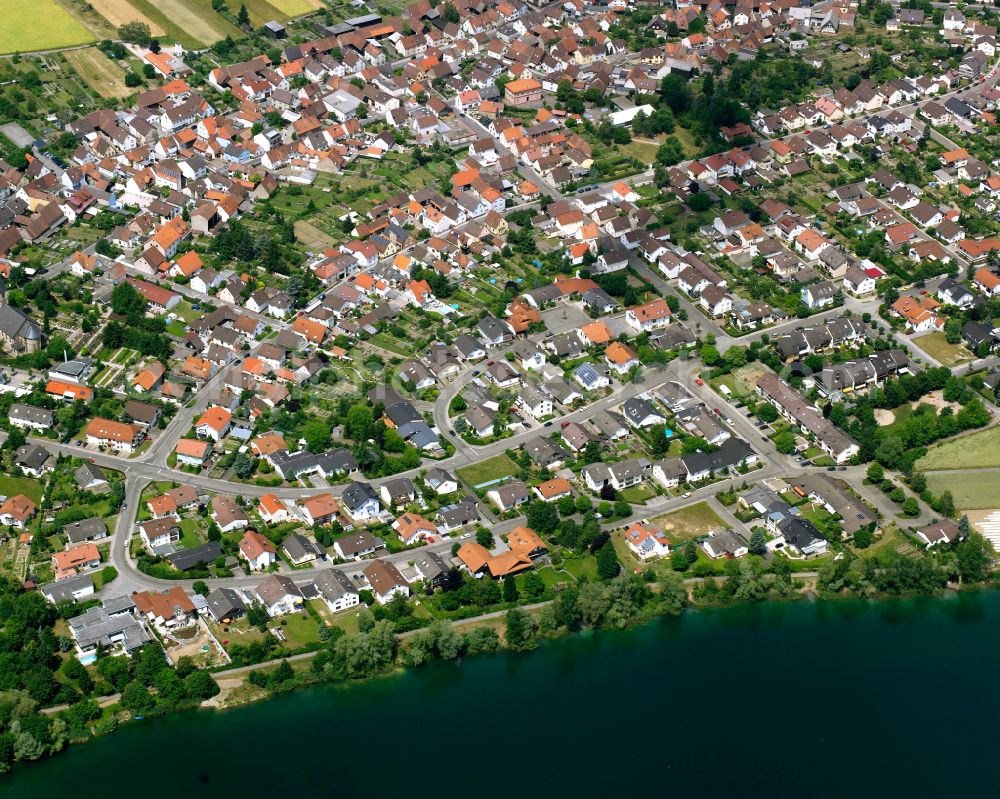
[[690, 522], [970, 492], [937, 346], [975, 451], [12, 486], [488, 471], [27, 25], [99, 72]]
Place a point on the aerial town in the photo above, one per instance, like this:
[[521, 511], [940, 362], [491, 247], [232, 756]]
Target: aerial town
[[419, 312]]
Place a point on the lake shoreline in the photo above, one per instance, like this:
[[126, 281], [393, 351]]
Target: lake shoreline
[[888, 645]]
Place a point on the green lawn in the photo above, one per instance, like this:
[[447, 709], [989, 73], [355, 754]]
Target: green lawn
[[347, 620], [551, 577], [299, 629], [980, 493], [937, 346], [191, 533], [690, 522], [12, 486], [176, 328], [976, 450], [644, 151], [580, 566], [238, 632], [488, 471], [637, 495]]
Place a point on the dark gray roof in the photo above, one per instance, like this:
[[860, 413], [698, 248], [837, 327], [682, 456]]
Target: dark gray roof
[[333, 584], [185, 559], [225, 603], [86, 530]]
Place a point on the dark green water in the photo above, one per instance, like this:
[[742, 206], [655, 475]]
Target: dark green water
[[798, 699]]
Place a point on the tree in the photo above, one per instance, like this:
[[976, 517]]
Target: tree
[[126, 301], [758, 543], [767, 413], [785, 442], [890, 451], [946, 504], [518, 632], [509, 589], [132, 79], [542, 517], [244, 466], [911, 507], [975, 558], [567, 506], [863, 538], [317, 435], [607, 561], [875, 472], [710, 355], [149, 663], [243, 17], [137, 698], [115, 670], [484, 538], [58, 348], [533, 585], [200, 587], [136, 32], [749, 581]]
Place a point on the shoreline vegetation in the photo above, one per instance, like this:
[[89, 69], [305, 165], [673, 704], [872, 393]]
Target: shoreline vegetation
[[36, 660]]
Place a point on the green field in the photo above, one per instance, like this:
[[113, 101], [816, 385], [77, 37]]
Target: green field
[[969, 494], [99, 73], [12, 486], [488, 470], [975, 451], [690, 522], [189, 22], [21, 30], [937, 346]]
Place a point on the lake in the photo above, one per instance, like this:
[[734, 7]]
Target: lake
[[784, 699]]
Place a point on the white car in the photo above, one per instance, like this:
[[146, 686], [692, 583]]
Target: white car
[[687, 494]]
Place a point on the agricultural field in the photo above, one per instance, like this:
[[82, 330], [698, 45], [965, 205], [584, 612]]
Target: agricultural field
[[976, 451], [263, 11], [21, 31], [120, 12], [99, 72], [296, 8], [191, 23]]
